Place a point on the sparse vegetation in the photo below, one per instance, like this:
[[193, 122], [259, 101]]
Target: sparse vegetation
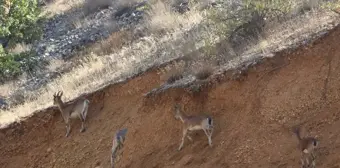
[[174, 75], [113, 43], [173, 72], [244, 23], [163, 19], [91, 6], [204, 72]]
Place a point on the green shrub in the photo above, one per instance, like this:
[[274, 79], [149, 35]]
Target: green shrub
[[8, 66], [14, 64], [20, 21]]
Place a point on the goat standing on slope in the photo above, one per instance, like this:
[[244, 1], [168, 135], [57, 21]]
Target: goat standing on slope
[[76, 109], [307, 146], [194, 123], [117, 144]]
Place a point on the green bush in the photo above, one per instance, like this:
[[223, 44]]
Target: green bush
[[8, 67], [14, 64], [19, 21]]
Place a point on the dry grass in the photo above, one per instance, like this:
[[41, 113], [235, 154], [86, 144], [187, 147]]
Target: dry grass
[[91, 6], [203, 72], [20, 47], [61, 6], [163, 19], [113, 43], [77, 22], [5, 89], [176, 75], [276, 36], [173, 72]]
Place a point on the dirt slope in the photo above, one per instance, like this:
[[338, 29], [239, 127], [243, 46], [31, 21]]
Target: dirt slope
[[252, 120]]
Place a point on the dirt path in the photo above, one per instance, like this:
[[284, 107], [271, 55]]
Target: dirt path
[[252, 119]]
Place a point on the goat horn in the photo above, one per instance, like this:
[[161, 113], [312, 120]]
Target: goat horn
[[59, 93]]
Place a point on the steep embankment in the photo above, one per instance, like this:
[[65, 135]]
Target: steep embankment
[[252, 119]]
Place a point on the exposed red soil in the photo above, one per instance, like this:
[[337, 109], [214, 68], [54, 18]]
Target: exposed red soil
[[252, 120]]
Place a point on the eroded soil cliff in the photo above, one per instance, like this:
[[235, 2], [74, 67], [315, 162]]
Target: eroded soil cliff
[[252, 116]]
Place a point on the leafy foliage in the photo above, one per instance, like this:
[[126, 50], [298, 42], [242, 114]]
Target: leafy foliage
[[14, 64], [19, 21]]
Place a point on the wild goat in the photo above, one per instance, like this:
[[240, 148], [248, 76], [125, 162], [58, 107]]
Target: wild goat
[[73, 110], [307, 146], [117, 144], [194, 123]]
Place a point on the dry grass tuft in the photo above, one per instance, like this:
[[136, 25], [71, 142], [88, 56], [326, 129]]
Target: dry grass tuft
[[204, 72], [60, 6], [20, 47], [113, 43], [173, 72], [174, 75], [91, 6], [5, 89], [163, 19], [76, 22]]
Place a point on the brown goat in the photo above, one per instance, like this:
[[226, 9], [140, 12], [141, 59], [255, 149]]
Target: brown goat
[[307, 146], [77, 109], [194, 123]]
